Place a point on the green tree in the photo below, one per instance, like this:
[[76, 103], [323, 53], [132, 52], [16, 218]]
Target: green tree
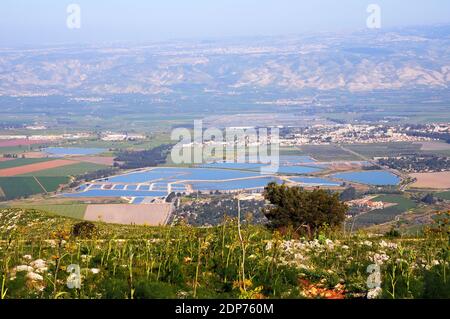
[[348, 194], [303, 210]]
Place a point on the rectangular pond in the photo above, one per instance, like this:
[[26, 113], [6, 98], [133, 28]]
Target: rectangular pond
[[376, 178], [116, 193], [313, 181], [235, 185], [73, 151]]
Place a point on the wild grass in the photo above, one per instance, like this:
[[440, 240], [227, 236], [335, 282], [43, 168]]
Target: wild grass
[[220, 262]]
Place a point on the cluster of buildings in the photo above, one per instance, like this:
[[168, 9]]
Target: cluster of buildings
[[438, 128], [366, 203], [107, 136], [117, 137], [50, 138], [349, 134]]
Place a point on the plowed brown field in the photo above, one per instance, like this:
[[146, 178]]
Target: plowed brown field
[[125, 214], [25, 169], [109, 161]]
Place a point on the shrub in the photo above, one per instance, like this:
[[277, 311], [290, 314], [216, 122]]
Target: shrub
[[154, 290], [84, 230]]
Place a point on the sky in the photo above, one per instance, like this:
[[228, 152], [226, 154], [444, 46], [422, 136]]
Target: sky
[[30, 22]]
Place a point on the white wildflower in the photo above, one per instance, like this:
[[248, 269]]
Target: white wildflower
[[38, 263], [379, 259], [23, 268], [34, 276], [367, 243], [374, 293], [388, 245]]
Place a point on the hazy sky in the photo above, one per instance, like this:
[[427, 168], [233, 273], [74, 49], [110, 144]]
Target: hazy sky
[[44, 21]]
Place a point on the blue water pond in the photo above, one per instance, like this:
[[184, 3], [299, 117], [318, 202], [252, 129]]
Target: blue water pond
[[71, 151], [377, 178]]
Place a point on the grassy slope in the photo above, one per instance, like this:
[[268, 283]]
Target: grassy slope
[[209, 265]]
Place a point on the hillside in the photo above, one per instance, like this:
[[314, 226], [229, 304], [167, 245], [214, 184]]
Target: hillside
[[36, 251], [396, 59]]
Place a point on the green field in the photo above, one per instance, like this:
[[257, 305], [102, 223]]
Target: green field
[[444, 195], [15, 187], [21, 149], [24, 186], [46, 181], [52, 183], [381, 216], [70, 170], [67, 210], [384, 149], [327, 153], [23, 161], [154, 141], [392, 149]]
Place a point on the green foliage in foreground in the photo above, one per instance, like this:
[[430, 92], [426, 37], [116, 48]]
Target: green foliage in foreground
[[185, 262]]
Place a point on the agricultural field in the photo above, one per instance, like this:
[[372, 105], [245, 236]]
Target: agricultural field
[[149, 214], [381, 216], [394, 149], [328, 153], [20, 142], [75, 211], [32, 169], [51, 183], [155, 140], [20, 149], [444, 195], [26, 177], [100, 160], [384, 149], [22, 161], [136, 262], [15, 187], [439, 180], [24, 186], [69, 170]]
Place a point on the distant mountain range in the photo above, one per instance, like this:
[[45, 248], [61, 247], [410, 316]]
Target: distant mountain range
[[365, 61]]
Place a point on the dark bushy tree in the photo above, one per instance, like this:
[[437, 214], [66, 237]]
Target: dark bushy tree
[[139, 159], [429, 199], [348, 194], [303, 210]]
